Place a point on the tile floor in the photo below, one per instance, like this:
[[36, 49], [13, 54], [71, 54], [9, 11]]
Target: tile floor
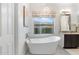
[[60, 51], [73, 51]]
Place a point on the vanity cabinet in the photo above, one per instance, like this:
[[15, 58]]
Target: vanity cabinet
[[71, 40]]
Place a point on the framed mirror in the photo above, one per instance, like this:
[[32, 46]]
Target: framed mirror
[[65, 22]]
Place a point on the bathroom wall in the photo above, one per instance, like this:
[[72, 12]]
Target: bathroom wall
[[76, 12], [7, 31], [21, 29], [16, 28], [12, 38], [0, 21]]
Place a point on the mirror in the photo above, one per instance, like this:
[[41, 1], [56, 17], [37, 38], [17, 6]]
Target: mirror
[[65, 21]]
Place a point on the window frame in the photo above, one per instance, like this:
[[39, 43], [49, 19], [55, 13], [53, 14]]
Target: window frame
[[53, 25]]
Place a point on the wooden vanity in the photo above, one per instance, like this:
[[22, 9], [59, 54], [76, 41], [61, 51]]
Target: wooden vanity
[[71, 40]]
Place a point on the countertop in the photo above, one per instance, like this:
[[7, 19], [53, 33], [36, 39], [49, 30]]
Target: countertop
[[72, 33]]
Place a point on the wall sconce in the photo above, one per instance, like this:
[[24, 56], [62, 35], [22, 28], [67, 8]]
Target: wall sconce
[[65, 11]]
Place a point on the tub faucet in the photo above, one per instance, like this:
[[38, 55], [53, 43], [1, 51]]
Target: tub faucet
[[27, 36]]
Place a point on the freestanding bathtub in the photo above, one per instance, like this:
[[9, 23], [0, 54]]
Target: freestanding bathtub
[[46, 45]]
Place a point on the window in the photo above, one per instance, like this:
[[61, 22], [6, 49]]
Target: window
[[43, 25]]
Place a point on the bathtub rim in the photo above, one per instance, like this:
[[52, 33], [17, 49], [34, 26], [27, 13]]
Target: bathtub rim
[[30, 42]]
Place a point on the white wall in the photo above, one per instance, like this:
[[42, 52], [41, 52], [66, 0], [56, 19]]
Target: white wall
[[21, 29], [7, 31]]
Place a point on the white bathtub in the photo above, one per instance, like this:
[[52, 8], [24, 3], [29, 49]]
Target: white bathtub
[[46, 45]]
